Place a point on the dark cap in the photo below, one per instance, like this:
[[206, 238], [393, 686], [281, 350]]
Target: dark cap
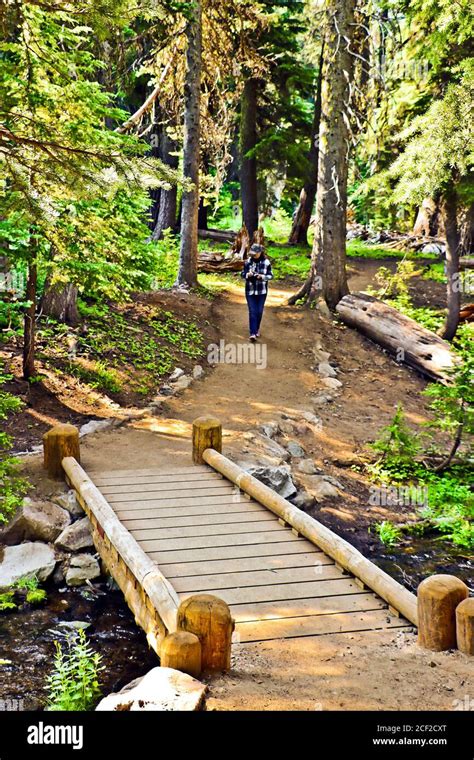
[[255, 248]]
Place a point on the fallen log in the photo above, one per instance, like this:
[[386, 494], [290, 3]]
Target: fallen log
[[216, 262], [466, 263], [220, 236], [404, 338]]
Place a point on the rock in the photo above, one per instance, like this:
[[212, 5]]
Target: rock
[[28, 559], [176, 374], [325, 370], [82, 567], [332, 383], [183, 382], [333, 481], [311, 418], [433, 248], [69, 501], [167, 390], [277, 478], [269, 429], [161, 689], [95, 425], [74, 625], [198, 372], [307, 466], [318, 487], [37, 521], [321, 399], [303, 500], [295, 449], [320, 355], [263, 451], [286, 427], [76, 536]]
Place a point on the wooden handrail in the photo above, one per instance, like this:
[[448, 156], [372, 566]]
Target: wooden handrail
[[346, 555]]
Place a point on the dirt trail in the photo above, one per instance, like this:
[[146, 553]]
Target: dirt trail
[[380, 670]]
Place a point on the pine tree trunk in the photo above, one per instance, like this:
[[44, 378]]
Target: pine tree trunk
[[302, 218], [453, 286], [29, 324], [428, 218], [167, 201], [248, 165], [327, 280], [60, 302], [187, 270]]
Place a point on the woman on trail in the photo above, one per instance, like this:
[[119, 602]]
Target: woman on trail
[[257, 272]]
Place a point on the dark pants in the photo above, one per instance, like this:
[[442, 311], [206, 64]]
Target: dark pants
[[255, 304]]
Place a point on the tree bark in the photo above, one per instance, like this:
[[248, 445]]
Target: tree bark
[[428, 221], [60, 302], [187, 269], [302, 218], [248, 165], [29, 324], [453, 282], [167, 200], [327, 280]]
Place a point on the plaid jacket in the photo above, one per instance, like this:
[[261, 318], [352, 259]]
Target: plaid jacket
[[262, 266]]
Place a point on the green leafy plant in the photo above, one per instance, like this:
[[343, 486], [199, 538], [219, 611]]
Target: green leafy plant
[[12, 486], [74, 682], [397, 444], [31, 584], [7, 602], [388, 533]]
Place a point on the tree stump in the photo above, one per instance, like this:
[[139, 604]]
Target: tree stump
[[207, 434], [210, 620], [182, 651], [465, 626], [438, 597], [59, 442]]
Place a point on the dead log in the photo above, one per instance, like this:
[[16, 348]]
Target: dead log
[[241, 243], [216, 262], [404, 338], [466, 263], [220, 236]]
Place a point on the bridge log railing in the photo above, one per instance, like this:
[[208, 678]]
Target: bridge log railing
[[344, 554], [147, 592]]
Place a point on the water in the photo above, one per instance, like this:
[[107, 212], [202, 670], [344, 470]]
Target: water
[[27, 640]]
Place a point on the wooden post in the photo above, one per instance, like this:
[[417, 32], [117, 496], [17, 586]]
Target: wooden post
[[182, 651], [210, 620], [59, 442], [207, 434], [465, 626], [438, 597]]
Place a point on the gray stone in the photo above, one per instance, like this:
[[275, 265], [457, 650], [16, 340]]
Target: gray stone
[[295, 449], [321, 399], [82, 567], [183, 382], [94, 426], [176, 374], [161, 689], [325, 370], [320, 355], [433, 248], [74, 625], [318, 487], [28, 559], [37, 521], [77, 536], [278, 478], [311, 418], [303, 500], [286, 427], [269, 429], [307, 466], [332, 383], [69, 501], [167, 390], [198, 372], [333, 481]]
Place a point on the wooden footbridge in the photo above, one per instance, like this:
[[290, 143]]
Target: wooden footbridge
[[169, 536]]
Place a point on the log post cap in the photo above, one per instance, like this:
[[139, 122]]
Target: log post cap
[[465, 626], [210, 619], [466, 607], [207, 423], [63, 429], [206, 604], [441, 586]]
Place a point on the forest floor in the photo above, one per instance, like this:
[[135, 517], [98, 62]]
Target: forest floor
[[320, 673]]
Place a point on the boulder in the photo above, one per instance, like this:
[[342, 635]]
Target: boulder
[[28, 559], [167, 390], [176, 374], [318, 487], [307, 466], [162, 689], [263, 451], [269, 429], [82, 567], [321, 399], [183, 382], [76, 536], [286, 427], [95, 425], [37, 521], [295, 449], [311, 418], [320, 355], [277, 478], [69, 501], [332, 383], [198, 372], [325, 370], [303, 500]]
